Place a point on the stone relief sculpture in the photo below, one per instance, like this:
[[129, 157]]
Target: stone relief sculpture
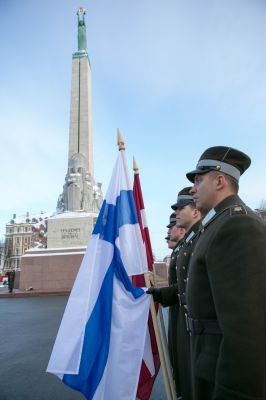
[[80, 192], [39, 237]]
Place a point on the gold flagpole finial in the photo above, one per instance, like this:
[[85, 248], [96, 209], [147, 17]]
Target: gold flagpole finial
[[135, 166], [120, 141]]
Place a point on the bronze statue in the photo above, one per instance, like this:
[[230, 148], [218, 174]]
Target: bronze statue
[[82, 39]]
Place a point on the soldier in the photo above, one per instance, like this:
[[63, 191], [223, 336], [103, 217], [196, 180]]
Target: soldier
[[226, 284], [175, 236], [11, 280], [187, 217], [171, 243]]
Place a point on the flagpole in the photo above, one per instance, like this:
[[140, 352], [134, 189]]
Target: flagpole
[[170, 396], [167, 355], [159, 342]]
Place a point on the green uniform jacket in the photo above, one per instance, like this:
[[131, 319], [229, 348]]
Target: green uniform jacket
[[170, 296], [227, 282], [173, 311]]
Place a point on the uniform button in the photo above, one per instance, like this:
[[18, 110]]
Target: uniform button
[[185, 280], [173, 258], [184, 294], [191, 254], [185, 254], [177, 256], [191, 242], [176, 279], [185, 306], [202, 230], [184, 267], [175, 267]]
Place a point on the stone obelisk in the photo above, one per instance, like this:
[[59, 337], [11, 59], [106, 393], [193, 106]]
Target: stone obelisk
[[79, 204], [80, 193], [80, 130]]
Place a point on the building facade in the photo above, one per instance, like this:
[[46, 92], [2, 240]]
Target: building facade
[[19, 237]]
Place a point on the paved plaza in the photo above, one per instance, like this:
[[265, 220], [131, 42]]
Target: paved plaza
[[28, 330]]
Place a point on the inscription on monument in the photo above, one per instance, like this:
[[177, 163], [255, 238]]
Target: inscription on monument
[[70, 233]]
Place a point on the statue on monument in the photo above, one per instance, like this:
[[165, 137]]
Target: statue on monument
[[82, 38]]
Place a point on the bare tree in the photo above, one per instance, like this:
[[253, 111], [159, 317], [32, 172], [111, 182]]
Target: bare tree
[[262, 205], [2, 243], [261, 211]]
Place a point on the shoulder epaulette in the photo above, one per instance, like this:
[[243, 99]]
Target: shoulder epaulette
[[237, 209]]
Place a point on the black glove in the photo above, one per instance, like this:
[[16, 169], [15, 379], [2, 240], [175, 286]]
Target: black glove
[[156, 294]]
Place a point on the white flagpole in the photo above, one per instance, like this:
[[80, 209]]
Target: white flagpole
[[159, 343], [155, 324], [168, 363]]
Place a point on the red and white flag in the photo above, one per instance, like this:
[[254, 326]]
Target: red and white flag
[[148, 373]]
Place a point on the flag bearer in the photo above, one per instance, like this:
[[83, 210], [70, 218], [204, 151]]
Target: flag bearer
[[226, 284]]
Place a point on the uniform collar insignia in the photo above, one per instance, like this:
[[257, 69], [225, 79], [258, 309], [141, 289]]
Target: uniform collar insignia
[[208, 217], [190, 236], [177, 248]]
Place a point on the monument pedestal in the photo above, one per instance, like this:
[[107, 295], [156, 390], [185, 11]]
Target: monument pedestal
[[57, 266], [50, 268], [70, 229]]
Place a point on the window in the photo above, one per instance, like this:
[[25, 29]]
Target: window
[[18, 229], [17, 240], [17, 252], [11, 230], [40, 218], [10, 240], [34, 220], [25, 248], [25, 240], [28, 220], [26, 229]]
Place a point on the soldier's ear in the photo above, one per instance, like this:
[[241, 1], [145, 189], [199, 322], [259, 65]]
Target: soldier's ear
[[220, 181], [196, 213]]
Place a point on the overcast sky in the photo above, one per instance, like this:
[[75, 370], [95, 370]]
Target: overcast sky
[[175, 76]]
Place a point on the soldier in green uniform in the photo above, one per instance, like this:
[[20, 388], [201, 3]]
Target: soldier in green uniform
[[11, 280], [175, 237], [187, 217], [226, 284]]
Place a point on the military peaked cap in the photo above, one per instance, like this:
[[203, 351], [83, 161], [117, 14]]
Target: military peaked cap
[[183, 198], [224, 159], [172, 221], [167, 237]]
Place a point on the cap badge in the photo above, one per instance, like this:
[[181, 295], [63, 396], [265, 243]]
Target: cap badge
[[238, 209], [218, 167]]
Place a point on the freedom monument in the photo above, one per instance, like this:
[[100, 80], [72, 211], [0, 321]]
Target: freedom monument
[[54, 263]]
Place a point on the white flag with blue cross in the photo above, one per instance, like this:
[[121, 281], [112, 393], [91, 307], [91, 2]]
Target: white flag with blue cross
[[99, 346]]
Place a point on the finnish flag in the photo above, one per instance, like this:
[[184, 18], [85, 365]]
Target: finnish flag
[[100, 343]]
